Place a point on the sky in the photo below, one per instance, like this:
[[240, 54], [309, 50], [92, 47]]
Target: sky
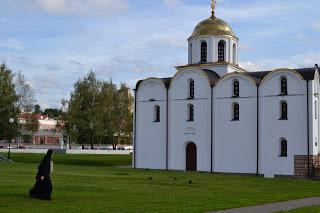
[[54, 43]]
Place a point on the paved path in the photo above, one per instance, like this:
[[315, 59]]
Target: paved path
[[274, 207], [5, 159]]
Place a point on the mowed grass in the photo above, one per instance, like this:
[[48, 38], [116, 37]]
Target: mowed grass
[[106, 183]]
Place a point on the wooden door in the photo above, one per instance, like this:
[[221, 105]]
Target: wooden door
[[191, 157]]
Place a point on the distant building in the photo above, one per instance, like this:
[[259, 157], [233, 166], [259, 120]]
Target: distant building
[[47, 134]]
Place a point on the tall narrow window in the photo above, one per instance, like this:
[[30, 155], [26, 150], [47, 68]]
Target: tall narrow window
[[190, 112], [236, 89], [221, 51], [191, 89], [315, 110], [236, 112], [284, 110], [283, 148], [157, 113], [190, 53], [284, 86], [204, 52], [234, 54]]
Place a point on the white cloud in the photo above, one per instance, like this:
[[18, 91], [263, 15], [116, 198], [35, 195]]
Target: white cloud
[[172, 2], [11, 43], [316, 26], [296, 61], [74, 7]]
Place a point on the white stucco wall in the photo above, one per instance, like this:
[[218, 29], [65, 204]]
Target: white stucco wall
[[235, 142], [150, 147], [294, 130], [182, 131]]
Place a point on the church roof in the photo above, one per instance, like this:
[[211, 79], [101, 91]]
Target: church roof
[[213, 76], [166, 82], [306, 73], [213, 27]]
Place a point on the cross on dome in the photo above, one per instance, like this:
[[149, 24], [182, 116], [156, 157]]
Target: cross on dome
[[213, 6]]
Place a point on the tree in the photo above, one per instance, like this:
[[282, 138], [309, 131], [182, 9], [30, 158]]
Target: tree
[[53, 112], [83, 112], [26, 98], [8, 104], [123, 116], [37, 109], [98, 112], [28, 124]]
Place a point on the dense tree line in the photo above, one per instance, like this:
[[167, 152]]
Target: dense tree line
[[98, 112]]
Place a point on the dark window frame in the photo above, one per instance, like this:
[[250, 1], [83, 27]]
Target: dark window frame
[[204, 52], [191, 89], [283, 148], [284, 110], [236, 89], [236, 112], [190, 113], [283, 86], [222, 51], [157, 114]]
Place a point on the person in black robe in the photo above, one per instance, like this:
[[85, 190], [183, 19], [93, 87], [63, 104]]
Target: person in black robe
[[43, 186]]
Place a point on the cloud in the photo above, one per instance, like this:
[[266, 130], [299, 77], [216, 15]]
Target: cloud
[[316, 26], [172, 2], [11, 43], [296, 61], [73, 7], [245, 47]]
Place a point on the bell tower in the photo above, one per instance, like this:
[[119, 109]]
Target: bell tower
[[214, 44]]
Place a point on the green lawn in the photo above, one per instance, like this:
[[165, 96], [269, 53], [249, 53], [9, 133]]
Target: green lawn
[[105, 183]]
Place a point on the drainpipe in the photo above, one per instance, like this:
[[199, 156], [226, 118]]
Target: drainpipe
[[167, 131], [135, 129], [308, 129], [211, 129], [257, 173]]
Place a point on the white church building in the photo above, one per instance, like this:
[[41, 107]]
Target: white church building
[[214, 116]]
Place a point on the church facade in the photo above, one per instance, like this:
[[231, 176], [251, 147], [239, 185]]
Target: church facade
[[215, 116]]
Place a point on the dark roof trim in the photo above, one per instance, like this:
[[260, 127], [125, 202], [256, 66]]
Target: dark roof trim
[[166, 82], [306, 73]]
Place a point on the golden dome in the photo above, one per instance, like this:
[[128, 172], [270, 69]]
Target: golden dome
[[213, 27]]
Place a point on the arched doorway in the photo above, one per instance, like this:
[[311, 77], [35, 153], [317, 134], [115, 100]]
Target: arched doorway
[[191, 157]]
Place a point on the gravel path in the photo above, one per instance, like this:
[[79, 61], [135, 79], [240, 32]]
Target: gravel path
[[274, 207]]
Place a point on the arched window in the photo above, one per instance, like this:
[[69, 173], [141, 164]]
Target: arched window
[[283, 148], [221, 51], [284, 86], [190, 53], [236, 112], [190, 112], [234, 54], [157, 113], [236, 89], [284, 110], [191, 89], [204, 52]]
